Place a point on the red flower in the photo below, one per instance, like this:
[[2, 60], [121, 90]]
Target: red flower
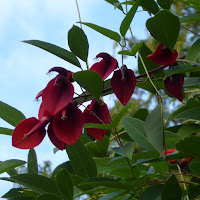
[[58, 143], [169, 151], [99, 114], [106, 66], [185, 161], [123, 84], [29, 133], [68, 124], [163, 56], [57, 94], [174, 85]]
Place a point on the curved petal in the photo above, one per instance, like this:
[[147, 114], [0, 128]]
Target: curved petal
[[19, 138], [62, 71], [57, 94], [99, 114], [123, 87], [106, 66], [43, 112], [68, 124], [58, 143], [163, 56], [174, 85]]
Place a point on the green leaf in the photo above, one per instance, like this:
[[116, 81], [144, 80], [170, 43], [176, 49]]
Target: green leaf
[[144, 52], [108, 182], [126, 52], [37, 183], [192, 82], [190, 145], [99, 148], [81, 160], [48, 196], [32, 162], [6, 131], [8, 165], [126, 150], [194, 166], [178, 69], [78, 42], [99, 126], [57, 51], [152, 192], [190, 18], [65, 184], [91, 81], [113, 195], [141, 114], [171, 189], [160, 167], [10, 114], [165, 4], [13, 193], [188, 129], [133, 51], [65, 165], [194, 51], [154, 128], [104, 31], [128, 18], [193, 114], [150, 6], [115, 2], [119, 116], [135, 129], [164, 27]]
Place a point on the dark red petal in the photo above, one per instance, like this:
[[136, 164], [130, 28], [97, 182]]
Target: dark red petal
[[57, 94], [68, 128], [19, 138], [174, 85], [123, 87], [43, 112], [39, 95], [163, 56], [189, 159], [58, 143], [95, 113], [173, 161], [106, 66], [62, 71]]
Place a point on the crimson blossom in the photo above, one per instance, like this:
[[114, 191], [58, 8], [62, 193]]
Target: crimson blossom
[[164, 56]]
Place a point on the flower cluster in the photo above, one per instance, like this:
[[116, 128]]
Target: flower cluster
[[60, 111], [184, 162], [164, 56]]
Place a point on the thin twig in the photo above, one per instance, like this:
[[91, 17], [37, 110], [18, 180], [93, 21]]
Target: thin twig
[[190, 31]]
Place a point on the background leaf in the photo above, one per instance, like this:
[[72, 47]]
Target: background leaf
[[104, 31], [154, 128], [164, 27], [91, 81], [37, 183], [8, 165], [81, 160], [178, 69], [190, 18], [150, 6], [126, 150], [48, 196], [194, 51], [171, 189], [78, 42], [65, 184], [6, 131], [128, 18], [166, 4], [193, 114], [114, 2], [10, 114], [135, 129], [57, 51], [32, 162]]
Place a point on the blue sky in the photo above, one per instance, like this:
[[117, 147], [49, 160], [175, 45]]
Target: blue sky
[[24, 67]]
